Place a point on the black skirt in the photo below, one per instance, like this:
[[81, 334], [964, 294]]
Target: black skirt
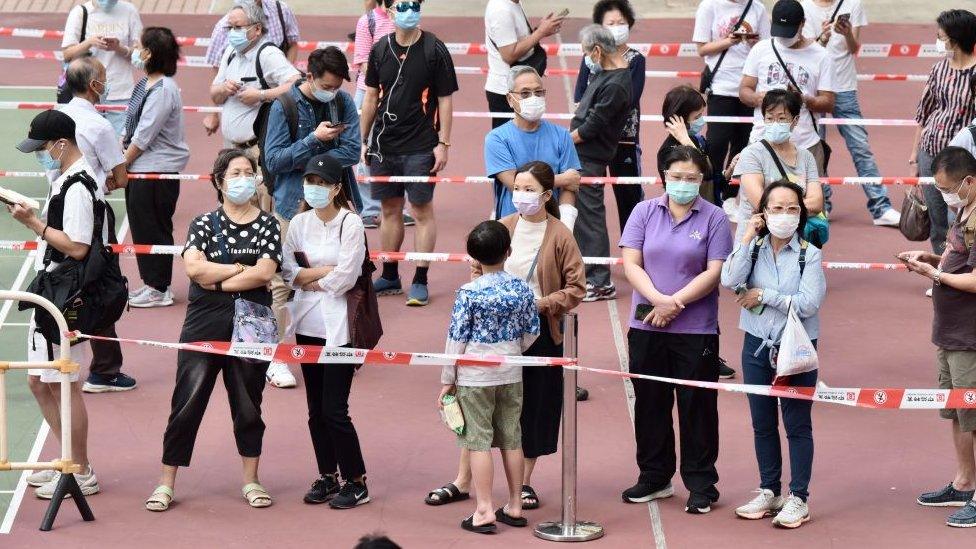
[[542, 397]]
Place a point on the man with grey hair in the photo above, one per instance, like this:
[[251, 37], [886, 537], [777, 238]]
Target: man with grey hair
[[595, 129]]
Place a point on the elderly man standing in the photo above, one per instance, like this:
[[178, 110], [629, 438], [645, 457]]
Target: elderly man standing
[[282, 30], [596, 128], [99, 144], [242, 89]]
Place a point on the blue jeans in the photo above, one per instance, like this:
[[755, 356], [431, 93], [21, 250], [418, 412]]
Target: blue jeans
[[940, 216], [116, 118], [371, 207], [757, 370], [856, 138]]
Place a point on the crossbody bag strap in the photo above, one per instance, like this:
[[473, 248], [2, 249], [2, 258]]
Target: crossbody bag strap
[[84, 23], [779, 164], [735, 27], [816, 127], [754, 256], [833, 17], [535, 261], [285, 44], [803, 256]]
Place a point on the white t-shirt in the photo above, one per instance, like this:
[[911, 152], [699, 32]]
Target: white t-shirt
[[96, 138], [845, 73], [965, 140], [526, 242], [713, 21], [505, 25], [122, 22], [78, 215], [237, 121], [811, 68]]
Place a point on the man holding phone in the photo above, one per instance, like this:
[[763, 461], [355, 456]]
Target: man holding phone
[[836, 25]]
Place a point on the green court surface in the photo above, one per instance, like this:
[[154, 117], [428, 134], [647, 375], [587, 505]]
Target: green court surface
[[23, 417]]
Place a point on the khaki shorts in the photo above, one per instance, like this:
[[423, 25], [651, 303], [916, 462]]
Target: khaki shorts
[[491, 417], [957, 370]]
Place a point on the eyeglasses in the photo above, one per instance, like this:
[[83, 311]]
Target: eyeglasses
[[404, 6], [792, 210], [229, 28], [774, 120], [525, 94], [684, 177]]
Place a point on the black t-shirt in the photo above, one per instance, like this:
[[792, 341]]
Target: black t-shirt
[[411, 98], [210, 314]]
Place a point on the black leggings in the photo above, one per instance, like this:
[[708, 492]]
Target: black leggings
[[334, 437], [151, 205], [542, 397], [196, 375], [726, 140], [626, 163]]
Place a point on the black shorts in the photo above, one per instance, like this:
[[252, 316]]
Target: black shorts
[[417, 164]]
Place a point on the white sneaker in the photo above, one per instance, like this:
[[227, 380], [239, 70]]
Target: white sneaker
[[794, 513], [280, 376], [928, 293], [40, 478], [890, 218], [763, 505], [152, 297], [135, 293], [87, 482]]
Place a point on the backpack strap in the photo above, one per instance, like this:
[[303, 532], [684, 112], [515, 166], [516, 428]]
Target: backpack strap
[[290, 107], [56, 212], [969, 231], [803, 253], [779, 164], [217, 229], [285, 44], [257, 63], [754, 256], [84, 23]]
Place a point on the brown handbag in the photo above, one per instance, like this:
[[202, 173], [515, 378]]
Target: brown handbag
[[915, 224], [362, 309]]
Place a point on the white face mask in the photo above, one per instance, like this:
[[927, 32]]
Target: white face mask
[[787, 42], [942, 46], [621, 33], [782, 225], [532, 108], [955, 200]]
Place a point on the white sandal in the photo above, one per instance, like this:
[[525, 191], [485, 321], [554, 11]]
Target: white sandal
[[256, 496], [160, 499]]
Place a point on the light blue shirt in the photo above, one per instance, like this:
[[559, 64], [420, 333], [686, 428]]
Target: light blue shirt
[[780, 280]]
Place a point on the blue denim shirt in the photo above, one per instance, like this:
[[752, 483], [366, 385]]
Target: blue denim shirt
[[286, 158], [779, 278]]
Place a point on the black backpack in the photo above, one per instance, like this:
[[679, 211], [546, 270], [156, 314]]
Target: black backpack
[[91, 293]]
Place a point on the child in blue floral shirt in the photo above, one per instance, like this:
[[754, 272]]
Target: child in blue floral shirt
[[494, 314]]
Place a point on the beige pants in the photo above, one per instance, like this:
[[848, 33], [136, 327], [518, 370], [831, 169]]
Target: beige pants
[[279, 290]]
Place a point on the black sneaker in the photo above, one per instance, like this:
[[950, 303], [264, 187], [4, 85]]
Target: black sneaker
[[100, 383], [963, 518], [351, 495], [946, 497], [643, 492], [699, 504], [322, 490], [724, 370], [582, 395]]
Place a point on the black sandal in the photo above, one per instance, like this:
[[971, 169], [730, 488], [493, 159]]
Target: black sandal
[[468, 524], [504, 518], [449, 493], [529, 498]]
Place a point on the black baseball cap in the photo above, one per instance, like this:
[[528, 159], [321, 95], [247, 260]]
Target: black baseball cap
[[326, 167], [50, 125], [787, 17]]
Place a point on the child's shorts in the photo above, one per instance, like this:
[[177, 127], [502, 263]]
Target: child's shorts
[[491, 417]]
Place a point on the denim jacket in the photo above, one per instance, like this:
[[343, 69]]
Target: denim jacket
[[286, 158]]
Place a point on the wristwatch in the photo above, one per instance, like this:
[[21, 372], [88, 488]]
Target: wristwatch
[[445, 143], [937, 277], [760, 296]]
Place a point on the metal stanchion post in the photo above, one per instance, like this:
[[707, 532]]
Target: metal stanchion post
[[568, 528]]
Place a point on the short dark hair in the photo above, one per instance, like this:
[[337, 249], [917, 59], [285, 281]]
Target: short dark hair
[[601, 8], [331, 60], [956, 162], [489, 242], [960, 27], [783, 184], [682, 101], [790, 100], [376, 542], [389, 3], [684, 153], [164, 50], [224, 158], [80, 74]]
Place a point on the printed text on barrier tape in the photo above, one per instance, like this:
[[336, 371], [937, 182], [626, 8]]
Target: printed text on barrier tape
[[884, 398]]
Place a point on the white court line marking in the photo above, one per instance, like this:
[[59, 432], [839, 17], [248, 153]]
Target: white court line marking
[[16, 324], [35, 453]]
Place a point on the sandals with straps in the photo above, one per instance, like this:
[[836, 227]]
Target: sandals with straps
[[449, 493], [160, 499], [256, 495], [529, 498]]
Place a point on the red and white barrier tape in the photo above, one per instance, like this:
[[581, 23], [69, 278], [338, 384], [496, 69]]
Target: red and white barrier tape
[[434, 257], [696, 74]]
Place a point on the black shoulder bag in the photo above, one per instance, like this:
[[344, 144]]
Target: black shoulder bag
[[538, 59], [362, 309], [708, 74]]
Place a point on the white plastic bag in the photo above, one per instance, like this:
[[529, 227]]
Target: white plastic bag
[[797, 354]]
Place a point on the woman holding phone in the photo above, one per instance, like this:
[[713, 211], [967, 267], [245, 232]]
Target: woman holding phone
[[771, 269], [323, 257]]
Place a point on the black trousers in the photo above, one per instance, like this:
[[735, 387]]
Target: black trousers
[[726, 140], [151, 205], [626, 163], [106, 355], [681, 356], [334, 437], [591, 225], [196, 375], [498, 103], [542, 397]]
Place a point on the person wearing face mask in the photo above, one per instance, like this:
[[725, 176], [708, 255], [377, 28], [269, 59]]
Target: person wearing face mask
[[107, 30], [953, 283], [154, 143], [618, 17], [323, 258], [73, 194], [231, 252], [947, 105], [673, 248], [683, 111], [771, 270], [528, 137], [776, 156]]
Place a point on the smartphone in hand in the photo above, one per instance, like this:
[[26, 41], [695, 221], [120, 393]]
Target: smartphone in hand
[[642, 310], [758, 309]]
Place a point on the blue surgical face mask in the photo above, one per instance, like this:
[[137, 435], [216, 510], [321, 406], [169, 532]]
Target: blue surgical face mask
[[47, 161], [595, 68], [136, 59], [104, 94], [317, 196], [682, 192], [107, 5], [697, 126], [777, 132], [323, 96], [407, 20], [241, 189], [237, 38]]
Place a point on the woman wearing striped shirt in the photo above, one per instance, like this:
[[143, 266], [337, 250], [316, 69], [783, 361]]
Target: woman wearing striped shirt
[[947, 105]]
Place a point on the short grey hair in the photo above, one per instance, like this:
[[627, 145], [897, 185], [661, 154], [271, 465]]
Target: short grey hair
[[253, 12], [80, 74], [597, 35], [517, 71]]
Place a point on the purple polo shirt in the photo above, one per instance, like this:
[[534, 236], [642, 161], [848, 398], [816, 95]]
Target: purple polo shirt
[[674, 254]]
